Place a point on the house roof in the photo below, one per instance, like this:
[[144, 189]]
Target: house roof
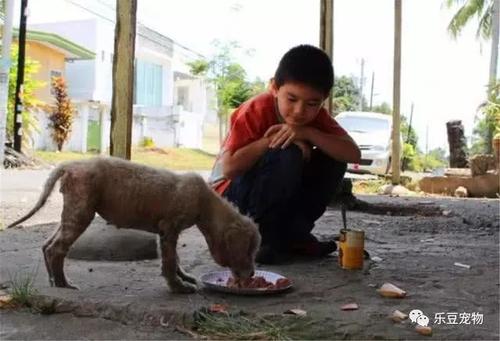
[[70, 50]]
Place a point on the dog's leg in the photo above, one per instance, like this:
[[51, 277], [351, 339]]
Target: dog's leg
[[74, 221], [169, 266], [47, 263], [183, 274]]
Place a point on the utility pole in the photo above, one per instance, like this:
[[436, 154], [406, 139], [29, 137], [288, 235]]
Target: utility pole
[[326, 36], [18, 107], [361, 81], [371, 91], [409, 124], [123, 79], [405, 160], [4, 73], [426, 140], [396, 93]]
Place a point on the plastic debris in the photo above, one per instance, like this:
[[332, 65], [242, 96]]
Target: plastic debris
[[297, 312], [461, 265], [398, 316], [218, 308], [423, 330], [350, 306], [390, 290]]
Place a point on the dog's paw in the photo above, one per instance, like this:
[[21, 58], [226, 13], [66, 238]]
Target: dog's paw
[[189, 279], [184, 288]]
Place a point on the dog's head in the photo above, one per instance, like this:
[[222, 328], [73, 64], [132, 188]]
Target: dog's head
[[238, 248]]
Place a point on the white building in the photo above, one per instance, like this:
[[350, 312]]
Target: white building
[[169, 104]]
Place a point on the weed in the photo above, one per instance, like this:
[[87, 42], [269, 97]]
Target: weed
[[22, 287], [242, 326]]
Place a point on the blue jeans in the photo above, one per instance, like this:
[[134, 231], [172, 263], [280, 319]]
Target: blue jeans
[[285, 195]]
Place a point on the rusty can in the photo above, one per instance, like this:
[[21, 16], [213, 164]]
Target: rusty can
[[351, 247]]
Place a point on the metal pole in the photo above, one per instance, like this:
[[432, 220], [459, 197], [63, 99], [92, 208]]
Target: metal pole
[[4, 73], [18, 108]]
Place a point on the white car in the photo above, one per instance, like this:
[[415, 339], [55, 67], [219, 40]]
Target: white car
[[372, 132]]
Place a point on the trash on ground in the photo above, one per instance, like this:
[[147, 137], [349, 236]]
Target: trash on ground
[[424, 330], [376, 259], [350, 306], [6, 301], [367, 221], [218, 308], [390, 290], [427, 240], [297, 312], [446, 213], [462, 265], [398, 316]]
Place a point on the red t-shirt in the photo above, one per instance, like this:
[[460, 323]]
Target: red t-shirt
[[251, 121]]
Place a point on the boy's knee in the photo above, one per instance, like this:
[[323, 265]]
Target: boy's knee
[[286, 161]]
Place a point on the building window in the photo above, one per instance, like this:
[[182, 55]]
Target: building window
[[148, 84]]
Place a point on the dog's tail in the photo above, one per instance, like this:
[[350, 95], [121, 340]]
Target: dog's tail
[[49, 186]]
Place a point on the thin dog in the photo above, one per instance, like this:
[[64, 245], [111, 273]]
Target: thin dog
[[130, 195]]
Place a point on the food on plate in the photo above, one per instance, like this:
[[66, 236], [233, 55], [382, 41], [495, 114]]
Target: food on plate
[[257, 282]]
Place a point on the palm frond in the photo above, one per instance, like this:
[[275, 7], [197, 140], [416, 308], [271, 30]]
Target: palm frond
[[466, 12], [485, 28]]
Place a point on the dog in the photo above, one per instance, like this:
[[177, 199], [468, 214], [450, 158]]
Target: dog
[[129, 195]]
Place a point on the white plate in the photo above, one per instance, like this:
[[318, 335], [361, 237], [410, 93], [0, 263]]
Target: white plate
[[217, 281]]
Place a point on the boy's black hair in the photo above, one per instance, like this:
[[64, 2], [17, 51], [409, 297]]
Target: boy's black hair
[[306, 64]]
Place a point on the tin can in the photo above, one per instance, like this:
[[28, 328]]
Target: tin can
[[351, 247]]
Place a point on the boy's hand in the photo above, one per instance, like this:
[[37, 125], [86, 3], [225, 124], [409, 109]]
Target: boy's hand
[[282, 135]]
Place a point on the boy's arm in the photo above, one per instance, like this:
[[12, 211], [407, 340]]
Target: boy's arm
[[342, 148], [238, 162]]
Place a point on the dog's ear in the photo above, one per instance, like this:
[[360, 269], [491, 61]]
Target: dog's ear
[[240, 244], [254, 244]]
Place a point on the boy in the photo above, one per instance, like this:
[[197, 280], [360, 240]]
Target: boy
[[284, 156]]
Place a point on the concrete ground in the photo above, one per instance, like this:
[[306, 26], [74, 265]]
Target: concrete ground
[[417, 242]]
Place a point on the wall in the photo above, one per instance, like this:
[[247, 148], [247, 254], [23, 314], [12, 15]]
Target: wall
[[50, 60]]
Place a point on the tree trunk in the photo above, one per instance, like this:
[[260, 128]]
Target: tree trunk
[[493, 66], [123, 79], [457, 143]]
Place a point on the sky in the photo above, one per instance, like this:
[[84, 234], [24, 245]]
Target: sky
[[444, 78]]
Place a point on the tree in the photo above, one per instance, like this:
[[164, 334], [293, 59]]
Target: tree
[[488, 28], [61, 118], [383, 108], [482, 9], [229, 79], [488, 122], [345, 94], [30, 102]]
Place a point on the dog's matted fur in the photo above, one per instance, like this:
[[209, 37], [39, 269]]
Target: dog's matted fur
[[130, 195]]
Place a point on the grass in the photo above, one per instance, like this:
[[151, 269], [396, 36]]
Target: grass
[[22, 287], [170, 158], [367, 186], [241, 326]]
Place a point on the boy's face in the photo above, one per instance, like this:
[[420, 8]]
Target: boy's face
[[298, 103]]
